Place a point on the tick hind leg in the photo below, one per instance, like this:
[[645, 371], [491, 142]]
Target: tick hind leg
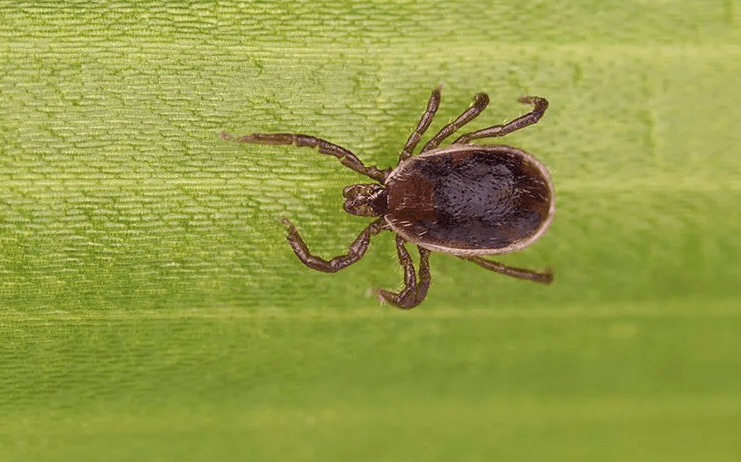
[[347, 158], [414, 292], [480, 101], [355, 253], [422, 126], [539, 107], [543, 277]]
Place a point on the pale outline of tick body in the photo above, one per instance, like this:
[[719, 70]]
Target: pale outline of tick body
[[466, 200]]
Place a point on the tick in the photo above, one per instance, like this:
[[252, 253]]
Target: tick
[[466, 200]]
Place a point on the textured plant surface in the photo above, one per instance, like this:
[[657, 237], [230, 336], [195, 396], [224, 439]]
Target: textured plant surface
[[150, 308]]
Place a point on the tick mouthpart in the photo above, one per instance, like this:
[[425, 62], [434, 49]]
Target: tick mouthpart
[[365, 200]]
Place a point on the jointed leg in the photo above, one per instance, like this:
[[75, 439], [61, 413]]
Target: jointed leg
[[480, 101], [422, 126], [540, 105], [356, 252], [347, 158], [543, 277], [413, 293]]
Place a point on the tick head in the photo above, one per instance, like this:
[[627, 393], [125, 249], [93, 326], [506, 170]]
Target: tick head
[[365, 200]]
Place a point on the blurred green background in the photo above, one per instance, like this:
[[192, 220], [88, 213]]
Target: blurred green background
[[150, 308]]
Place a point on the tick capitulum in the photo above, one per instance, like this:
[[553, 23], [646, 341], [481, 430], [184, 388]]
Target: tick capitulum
[[466, 200]]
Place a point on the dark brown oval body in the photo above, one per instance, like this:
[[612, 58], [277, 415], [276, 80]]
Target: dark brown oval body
[[471, 199]]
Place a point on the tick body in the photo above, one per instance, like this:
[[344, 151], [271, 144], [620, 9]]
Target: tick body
[[467, 200]]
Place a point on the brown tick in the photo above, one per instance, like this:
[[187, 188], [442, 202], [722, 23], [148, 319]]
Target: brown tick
[[465, 199]]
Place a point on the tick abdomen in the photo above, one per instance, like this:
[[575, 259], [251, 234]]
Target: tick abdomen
[[480, 198]]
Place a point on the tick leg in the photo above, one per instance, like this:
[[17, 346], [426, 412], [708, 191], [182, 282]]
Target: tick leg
[[480, 101], [540, 105], [356, 252], [543, 277], [413, 293], [423, 124], [347, 158]]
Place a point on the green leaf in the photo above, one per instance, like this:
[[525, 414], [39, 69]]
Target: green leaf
[[150, 308]]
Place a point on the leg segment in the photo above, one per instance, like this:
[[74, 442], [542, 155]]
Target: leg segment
[[355, 253], [413, 293], [422, 126], [480, 101], [347, 158], [540, 105], [543, 277]]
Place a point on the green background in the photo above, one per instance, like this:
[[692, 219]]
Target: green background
[[150, 308]]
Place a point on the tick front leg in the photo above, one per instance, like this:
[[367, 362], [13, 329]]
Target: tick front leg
[[480, 101], [423, 124], [347, 158], [540, 105], [355, 253], [543, 277], [413, 293]]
